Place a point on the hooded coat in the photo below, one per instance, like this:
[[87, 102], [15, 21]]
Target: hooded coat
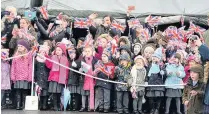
[[195, 105]]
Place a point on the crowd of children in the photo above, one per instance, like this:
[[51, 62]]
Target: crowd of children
[[149, 73]]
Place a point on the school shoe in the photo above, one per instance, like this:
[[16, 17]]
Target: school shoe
[[101, 110], [90, 110], [18, 102], [135, 112], [126, 111], [156, 111], [106, 111], [140, 112], [82, 110], [179, 113]]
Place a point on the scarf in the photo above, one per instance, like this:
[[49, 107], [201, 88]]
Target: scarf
[[62, 71]]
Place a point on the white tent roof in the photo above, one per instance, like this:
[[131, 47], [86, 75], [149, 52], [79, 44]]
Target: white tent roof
[[120, 6]]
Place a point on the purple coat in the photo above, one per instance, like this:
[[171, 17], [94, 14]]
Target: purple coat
[[5, 75]]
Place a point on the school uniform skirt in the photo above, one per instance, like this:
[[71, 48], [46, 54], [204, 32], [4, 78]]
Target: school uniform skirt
[[173, 92], [22, 84], [155, 93], [73, 88], [55, 87], [81, 91]]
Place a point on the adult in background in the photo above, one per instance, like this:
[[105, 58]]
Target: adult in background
[[9, 21]]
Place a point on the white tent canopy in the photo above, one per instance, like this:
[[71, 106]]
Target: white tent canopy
[[120, 6]]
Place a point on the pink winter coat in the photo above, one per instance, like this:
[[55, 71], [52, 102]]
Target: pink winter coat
[[186, 78], [22, 68], [5, 75], [55, 75]]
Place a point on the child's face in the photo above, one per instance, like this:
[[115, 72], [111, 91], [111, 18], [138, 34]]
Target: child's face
[[148, 52], [176, 60], [103, 42], [122, 43], [139, 63], [124, 52], [88, 52], [46, 44], [79, 43], [58, 51], [137, 49], [104, 58], [155, 59], [124, 63], [72, 54], [21, 48], [42, 52], [194, 76]]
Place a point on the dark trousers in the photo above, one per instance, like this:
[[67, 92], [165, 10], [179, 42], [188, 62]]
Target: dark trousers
[[102, 98], [122, 100]]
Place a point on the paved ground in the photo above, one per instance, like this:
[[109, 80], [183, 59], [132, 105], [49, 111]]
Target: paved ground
[[45, 112]]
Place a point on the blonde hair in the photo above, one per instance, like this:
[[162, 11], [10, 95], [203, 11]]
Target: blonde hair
[[12, 9]]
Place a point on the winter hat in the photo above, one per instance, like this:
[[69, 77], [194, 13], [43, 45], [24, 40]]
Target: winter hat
[[148, 46], [158, 53], [137, 43], [126, 48], [178, 56], [125, 57], [63, 47], [182, 53], [24, 43], [124, 39], [140, 57], [81, 39], [198, 69]]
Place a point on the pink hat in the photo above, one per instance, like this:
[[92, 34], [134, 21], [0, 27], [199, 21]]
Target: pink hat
[[140, 57], [63, 47]]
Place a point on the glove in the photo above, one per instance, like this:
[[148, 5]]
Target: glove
[[74, 64]]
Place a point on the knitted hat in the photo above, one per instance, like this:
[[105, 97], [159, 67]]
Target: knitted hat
[[158, 53], [125, 57], [140, 57], [198, 69], [178, 56], [24, 43], [137, 43], [63, 47]]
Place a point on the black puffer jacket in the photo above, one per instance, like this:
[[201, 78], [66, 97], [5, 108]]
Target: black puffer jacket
[[41, 74], [73, 78]]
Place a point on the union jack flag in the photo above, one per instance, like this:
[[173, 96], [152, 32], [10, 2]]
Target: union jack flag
[[44, 12], [81, 23], [133, 23], [196, 28], [153, 20], [59, 16], [38, 90], [119, 26], [89, 41], [34, 49], [101, 67], [4, 38], [145, 33]]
